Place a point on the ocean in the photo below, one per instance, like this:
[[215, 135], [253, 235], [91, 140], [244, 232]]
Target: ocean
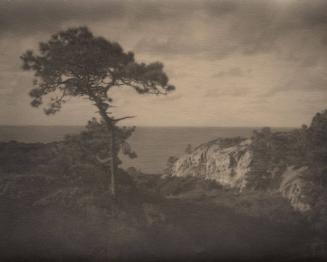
[[153, 145]]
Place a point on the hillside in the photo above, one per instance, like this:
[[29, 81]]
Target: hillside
[[292, 163], [59, 222], [258, 199]]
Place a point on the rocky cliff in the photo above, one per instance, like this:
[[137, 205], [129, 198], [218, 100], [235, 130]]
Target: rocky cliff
[[238, 164], [226, 163]]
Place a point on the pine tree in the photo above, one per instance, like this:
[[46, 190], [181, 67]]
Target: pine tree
[[75, 63]]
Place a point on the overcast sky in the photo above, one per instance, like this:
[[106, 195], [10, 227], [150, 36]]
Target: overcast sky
[[233, 62]]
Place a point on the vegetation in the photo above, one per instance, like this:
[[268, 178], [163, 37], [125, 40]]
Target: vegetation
[[304, 146], [75, 63], [59, 202]]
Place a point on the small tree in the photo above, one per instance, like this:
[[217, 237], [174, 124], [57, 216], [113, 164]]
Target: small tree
[[82, 158], [170, 165], [188, 149], [75, 63]]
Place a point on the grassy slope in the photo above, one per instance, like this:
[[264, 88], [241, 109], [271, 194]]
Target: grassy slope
[[188, 219]]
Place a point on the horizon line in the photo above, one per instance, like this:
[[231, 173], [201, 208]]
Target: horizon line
[[146, 126]]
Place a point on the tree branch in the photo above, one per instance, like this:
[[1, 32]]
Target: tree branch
[[103, 160], [142, 87], [122, 118]]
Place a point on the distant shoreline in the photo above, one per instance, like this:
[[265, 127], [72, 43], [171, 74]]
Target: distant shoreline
[[139, 126], [153, 145]]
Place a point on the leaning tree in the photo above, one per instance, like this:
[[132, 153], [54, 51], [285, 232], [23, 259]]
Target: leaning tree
[[75, 63]]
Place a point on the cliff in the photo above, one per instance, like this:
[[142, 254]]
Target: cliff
[[226, 163], [249, 164]]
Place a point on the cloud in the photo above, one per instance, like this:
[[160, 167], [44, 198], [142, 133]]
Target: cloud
[[208, 47], [218, 29], [220, 7], [26, 17], [13, 86], [304, 80], [212, 28], [232, 72], [231, 91]]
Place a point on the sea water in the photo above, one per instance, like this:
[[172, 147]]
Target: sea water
[[153, 145]]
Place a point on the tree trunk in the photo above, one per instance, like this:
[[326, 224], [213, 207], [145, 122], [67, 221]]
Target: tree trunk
[[113, 163]]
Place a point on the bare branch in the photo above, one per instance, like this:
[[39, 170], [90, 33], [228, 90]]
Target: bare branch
[[122, 118], [103, 160]]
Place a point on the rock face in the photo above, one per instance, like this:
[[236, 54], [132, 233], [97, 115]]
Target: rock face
[[297, 187], [226, 164], [234, 164]]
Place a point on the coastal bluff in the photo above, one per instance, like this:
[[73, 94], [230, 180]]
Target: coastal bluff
[[239, 164]]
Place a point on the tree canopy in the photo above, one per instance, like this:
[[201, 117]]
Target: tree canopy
[[76, 63]]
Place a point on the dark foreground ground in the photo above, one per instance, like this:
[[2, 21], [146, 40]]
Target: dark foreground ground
[[56, 213], [80, 225]]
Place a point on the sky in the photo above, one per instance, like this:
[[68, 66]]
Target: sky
[[233, 62]]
